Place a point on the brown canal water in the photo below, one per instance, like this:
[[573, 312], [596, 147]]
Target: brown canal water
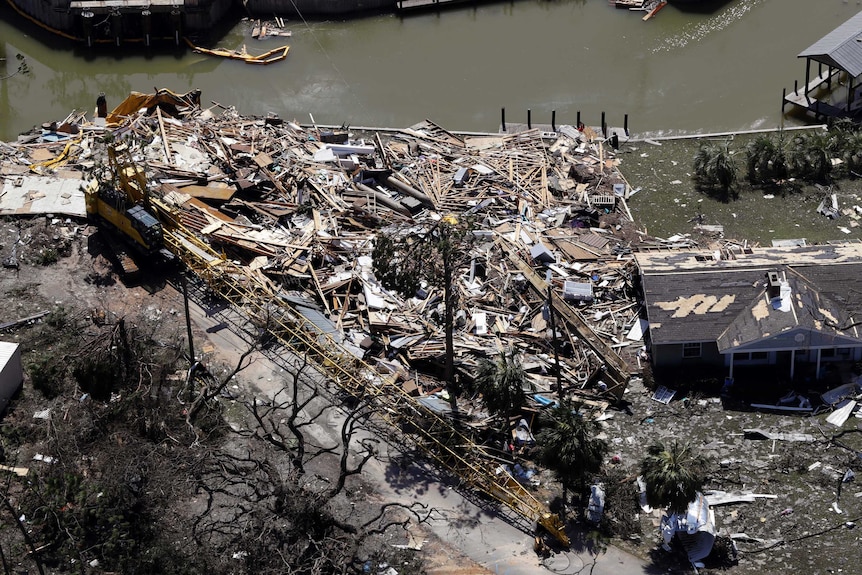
[[681, 72]]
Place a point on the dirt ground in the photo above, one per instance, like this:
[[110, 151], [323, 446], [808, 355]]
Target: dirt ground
[[808, 517], [76, 276]]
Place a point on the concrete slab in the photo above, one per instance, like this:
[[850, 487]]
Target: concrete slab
[[33, 195]]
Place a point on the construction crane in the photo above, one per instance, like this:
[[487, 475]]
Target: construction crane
[[118, 204], [436, 436], [432, 433]]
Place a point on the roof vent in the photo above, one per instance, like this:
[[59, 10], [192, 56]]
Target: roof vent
[[773, 285]]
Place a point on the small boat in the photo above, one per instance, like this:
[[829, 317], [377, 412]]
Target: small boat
[[655, 10], [274, 55]]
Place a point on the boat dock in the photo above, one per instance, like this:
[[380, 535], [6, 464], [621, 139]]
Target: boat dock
[[818, 96], [613, 134], [602, 131], [836, 89], [651, 7]]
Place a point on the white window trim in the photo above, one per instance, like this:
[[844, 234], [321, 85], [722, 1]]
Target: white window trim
[[688, 348]]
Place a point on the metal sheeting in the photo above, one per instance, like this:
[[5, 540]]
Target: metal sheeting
[[11, 372], [312, 313], [841, 48], [594, 240]]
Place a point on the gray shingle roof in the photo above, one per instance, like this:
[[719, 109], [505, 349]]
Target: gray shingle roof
[[841, 48], [818, 308], [730, 305], [690, 307]]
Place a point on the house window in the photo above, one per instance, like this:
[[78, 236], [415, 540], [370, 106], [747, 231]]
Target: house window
[[759, 355], [826, 353], [844, 351], [691, 349]]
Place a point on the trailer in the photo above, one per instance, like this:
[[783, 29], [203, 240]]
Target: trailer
[[11, 373]]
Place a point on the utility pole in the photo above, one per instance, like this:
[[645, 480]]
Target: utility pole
[[192, 363], [188, 320], [554, 337]]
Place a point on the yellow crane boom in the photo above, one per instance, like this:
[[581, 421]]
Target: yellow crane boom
[[435, 435]]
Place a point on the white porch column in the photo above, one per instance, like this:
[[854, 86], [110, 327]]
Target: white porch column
[[792, 362], [817, 373], [731, 367]]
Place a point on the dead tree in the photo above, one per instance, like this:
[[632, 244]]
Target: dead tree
[[282, 500], [213, 387]]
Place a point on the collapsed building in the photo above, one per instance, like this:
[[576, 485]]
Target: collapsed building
[[302, 206]]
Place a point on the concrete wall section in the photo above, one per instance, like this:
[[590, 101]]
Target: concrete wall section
[[310, 8], [197, 15], [52, 13], [58, 16], [202, 15]]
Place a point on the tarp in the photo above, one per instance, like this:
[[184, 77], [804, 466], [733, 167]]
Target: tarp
[[168, 101]]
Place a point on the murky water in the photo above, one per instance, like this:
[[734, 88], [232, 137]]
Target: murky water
[[680, 72]]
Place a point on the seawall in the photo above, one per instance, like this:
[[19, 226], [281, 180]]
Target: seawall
[[152, 21], [312, 8]]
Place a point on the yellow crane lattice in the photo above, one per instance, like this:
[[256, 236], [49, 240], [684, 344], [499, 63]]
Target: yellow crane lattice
[[433, 434]]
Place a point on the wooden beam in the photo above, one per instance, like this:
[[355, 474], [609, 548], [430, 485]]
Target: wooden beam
[[616, 367], [165, 146]]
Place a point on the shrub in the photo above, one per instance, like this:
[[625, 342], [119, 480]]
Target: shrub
[[47, 376], [47, 256], [715, 171]]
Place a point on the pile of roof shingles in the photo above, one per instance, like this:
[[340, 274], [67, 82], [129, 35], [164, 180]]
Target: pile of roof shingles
[[303, 206]]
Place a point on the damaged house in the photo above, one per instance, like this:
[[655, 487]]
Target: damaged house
[[793, 310]]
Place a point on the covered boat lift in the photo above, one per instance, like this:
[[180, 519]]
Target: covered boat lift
[[836, 91]]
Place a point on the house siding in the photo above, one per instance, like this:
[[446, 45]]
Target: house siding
[[670, 355]]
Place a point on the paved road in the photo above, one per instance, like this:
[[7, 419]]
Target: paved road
[[489, 539], [481, 534]]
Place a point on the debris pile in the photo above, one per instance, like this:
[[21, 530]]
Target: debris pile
[[304, 205]]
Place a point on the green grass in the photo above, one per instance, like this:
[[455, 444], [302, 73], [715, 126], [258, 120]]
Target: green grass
[[663, 208]]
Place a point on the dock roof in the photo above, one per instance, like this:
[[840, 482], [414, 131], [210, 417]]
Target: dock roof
[[841, 48]]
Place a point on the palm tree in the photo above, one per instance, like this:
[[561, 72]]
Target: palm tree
[[819, 162], [715, 169], [702, 164], [501, 382], [765, 160], [839, 139], [570, 447], [725, 170], [808, 157], [673, 475], [853, 155]]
